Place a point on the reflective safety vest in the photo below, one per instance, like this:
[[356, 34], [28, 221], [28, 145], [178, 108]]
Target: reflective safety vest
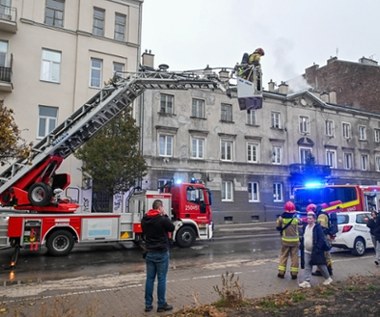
[[289, 235]]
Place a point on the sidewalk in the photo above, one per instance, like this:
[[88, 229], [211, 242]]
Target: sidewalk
[[222, 230], [123, 295]]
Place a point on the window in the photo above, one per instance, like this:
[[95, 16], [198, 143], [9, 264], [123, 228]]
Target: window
[[118, 68], [330, 128], [377, 135], [304, 124], [305, 155], [276, 120], [167, 104], [252, 152], [346, 130], [347, 157], [54, 12], [96, 72], [277, 192], [98, 26], [253, 192], [197, 147], [194, 195], [377, 163], [362, 133], [47, 120], [6, 10], [198, 108], [364, 162], [227, 191], [161, 183], [3, 53], [120, 23], [51, 66], [276, 154], [226, 113], [165, 145], [226, 147], [331, 158], [251, 117]]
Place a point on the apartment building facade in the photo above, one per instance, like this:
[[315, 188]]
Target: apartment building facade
[[56, 54], [251, 161]]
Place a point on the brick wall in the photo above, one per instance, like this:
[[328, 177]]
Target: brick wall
[[356, 84]]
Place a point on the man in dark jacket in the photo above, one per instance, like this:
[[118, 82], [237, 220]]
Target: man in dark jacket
[[156, 226], [375, 231], [371, 224]]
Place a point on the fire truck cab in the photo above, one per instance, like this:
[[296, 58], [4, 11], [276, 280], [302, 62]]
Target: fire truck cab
[[338, 197]]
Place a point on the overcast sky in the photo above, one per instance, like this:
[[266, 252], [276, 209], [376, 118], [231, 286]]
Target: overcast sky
[[189, 34]]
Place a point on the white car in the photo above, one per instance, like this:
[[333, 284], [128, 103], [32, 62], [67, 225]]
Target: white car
[[353, 232]]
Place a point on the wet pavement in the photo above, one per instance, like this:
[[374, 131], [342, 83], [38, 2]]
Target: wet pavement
[[123, 294]]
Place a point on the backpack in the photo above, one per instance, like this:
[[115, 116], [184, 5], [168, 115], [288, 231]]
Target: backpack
[[245, 58], [333, 223]]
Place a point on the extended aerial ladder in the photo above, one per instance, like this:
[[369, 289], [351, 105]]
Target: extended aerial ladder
[[31, 183]]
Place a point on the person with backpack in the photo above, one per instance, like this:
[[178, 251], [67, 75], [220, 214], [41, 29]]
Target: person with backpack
[[288, 225], [248, 62]]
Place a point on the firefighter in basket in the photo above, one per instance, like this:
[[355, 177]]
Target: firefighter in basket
[[249, 62]]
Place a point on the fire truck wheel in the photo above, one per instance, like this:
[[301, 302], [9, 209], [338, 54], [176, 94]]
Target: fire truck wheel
[[359, 247], [185, 237], [40, 194], [60, 243]]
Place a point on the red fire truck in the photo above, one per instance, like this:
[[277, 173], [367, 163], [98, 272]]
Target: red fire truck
[[338, 197], [32, 189]]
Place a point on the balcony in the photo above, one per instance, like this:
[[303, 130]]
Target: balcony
[[8, 17], [309, 170]]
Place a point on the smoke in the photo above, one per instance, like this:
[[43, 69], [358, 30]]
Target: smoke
[[285, 65], [284, 58], [298, 83]]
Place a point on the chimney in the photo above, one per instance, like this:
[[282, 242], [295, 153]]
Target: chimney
[[224, 75], [207, 70], [271, 86], [283, 88], [325, 96], [367, 61], [332, 97], [148, 59], [332, 59]]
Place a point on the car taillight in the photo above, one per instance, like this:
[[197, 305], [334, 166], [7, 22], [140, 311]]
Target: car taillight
[[346, 228]]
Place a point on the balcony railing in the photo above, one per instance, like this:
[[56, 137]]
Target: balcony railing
[[6, 76], [309, 170], [8, 18]]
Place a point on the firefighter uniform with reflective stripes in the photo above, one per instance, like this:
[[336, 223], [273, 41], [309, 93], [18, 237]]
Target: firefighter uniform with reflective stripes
[[323, 220], [288, 224]]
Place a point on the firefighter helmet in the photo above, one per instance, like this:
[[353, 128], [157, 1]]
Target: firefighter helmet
[[260, 51], [289, 206], [311, 207]]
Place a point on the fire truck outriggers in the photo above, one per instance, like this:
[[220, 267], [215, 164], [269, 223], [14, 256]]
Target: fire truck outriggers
[[32, 191]]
